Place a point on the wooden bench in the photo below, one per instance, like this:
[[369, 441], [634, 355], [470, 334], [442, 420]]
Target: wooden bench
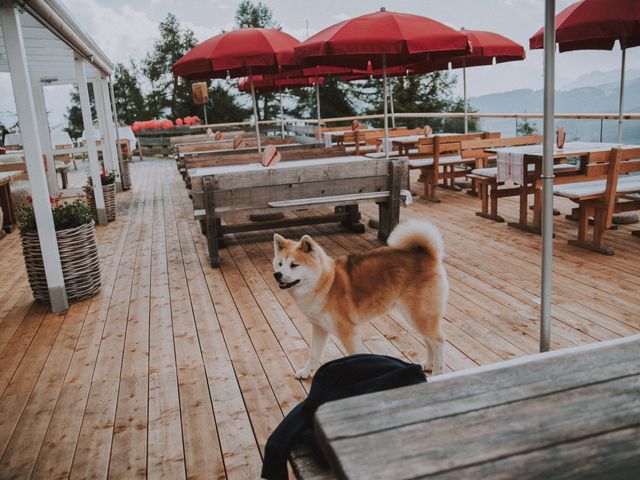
[[484, 177], [339, 183], [607, 193], [251, 155], [443, 151]]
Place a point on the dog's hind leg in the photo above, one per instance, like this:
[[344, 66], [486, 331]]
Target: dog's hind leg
[[428, 325], [319, 338]]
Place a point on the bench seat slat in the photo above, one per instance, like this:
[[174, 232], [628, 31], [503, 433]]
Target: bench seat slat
[[626, 184], [493, 171], [427, 162]]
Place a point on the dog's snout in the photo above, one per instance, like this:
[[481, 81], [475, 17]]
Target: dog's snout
[[277, 275]]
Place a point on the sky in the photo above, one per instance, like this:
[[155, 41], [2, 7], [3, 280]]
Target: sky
[[127, 28]]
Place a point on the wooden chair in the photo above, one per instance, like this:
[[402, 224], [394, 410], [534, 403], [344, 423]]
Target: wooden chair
[[607, 193], [443, 151]]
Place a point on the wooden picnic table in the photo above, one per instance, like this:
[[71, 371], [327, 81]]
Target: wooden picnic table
[[6, 202], [405, 143], [532, 156], [571, 413]]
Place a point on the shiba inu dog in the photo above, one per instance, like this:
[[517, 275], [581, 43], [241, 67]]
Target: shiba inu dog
[[339, 295]]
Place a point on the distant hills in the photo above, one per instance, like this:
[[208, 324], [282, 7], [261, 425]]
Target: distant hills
[[597, 92]]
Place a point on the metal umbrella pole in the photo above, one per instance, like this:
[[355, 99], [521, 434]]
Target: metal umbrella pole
[[318, 106], [620, 114], [281, 116], [255, 110], [393, 113], [466, 108], [547, 174], [386, 122]]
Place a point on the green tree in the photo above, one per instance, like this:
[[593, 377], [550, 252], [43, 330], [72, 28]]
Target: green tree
[[222, 106], [334, 100], [431, 93], [525, 128], [259, 15], [169, 94], [129, 98], [75, 127], [255, 15]]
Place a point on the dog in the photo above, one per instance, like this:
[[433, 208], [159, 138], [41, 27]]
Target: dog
[[339, 295]]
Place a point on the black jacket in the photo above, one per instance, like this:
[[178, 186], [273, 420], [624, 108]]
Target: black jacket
[[342, 378]]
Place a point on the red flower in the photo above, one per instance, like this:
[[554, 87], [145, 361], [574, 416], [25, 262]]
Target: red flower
[[51, 200], [29, 199]]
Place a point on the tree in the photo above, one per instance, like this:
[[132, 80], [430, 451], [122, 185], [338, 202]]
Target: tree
[[259, 15], [169, 95], [334, 100], [129, 98], [419, 94], [525, 128], [255, 15], [222, 106], [75, 127]]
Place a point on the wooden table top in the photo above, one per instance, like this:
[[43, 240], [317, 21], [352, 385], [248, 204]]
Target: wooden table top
[[570, 149], [567, 413]]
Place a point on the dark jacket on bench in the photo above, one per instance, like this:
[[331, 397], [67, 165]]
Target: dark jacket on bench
[[341, 378]]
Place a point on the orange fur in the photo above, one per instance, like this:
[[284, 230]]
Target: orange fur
[[339, 295]]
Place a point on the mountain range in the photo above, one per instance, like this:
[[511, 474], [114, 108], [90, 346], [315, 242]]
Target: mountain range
[[597, 92]]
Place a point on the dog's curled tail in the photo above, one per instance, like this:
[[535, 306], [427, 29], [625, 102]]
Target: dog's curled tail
[[420, 234]]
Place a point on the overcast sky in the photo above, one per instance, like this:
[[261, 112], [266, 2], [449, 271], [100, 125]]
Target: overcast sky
[[127, 28]]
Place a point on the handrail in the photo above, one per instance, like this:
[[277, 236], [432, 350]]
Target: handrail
[[575, 116]]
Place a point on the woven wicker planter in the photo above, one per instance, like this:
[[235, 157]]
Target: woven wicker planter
[[79, 258], [125, 175], [109, 192]]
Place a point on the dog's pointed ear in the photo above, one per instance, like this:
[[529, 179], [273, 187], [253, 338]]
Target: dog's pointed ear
[[307, 244], [279, 241]]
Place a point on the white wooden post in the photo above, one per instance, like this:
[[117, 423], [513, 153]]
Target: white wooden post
[[90, 140], [105, 145], [45, 135], [17, 59], [110, 125]]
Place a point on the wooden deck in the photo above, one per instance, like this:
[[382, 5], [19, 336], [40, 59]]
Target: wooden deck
[[176, 369]]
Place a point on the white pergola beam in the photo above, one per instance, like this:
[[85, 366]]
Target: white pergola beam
[[45, 136], [21, 82], [90, 140], [111, 130]]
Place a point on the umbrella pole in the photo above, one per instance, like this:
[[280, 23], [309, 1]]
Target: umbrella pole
[[622, 68], [386, 122], [393, 113], [466, 108], [281, 116], [318, 106], [547, 174], [255, 110]]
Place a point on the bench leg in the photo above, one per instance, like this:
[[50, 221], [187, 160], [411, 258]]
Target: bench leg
[[599, 227], [489, 192], [430, 182], [214, 240], [352, 222]]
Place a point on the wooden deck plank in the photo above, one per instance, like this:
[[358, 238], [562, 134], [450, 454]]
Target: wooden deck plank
[[177, 369]]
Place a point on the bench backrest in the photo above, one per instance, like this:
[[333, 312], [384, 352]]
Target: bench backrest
[[228, 144], [447, 145], [251, 155], [315, 179], [620, 161], [476, 148]]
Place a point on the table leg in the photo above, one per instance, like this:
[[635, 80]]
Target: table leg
[[6, 202]]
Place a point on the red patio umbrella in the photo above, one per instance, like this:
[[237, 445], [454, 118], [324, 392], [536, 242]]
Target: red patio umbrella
[[488, 48], [239, 53], [382, 39], [596, 25]]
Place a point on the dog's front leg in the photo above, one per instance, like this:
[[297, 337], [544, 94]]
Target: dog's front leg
[[319, 338]]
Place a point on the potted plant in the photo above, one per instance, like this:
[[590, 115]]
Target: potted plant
[[75, 233], [108, 181]]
